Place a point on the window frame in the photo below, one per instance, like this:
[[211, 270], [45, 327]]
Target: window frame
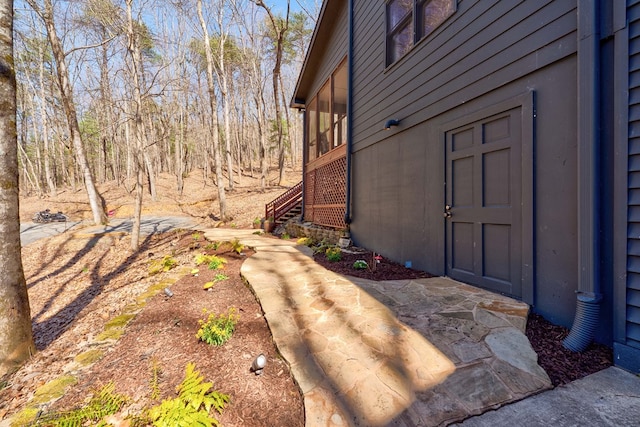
[[327, 85], [414, 18]]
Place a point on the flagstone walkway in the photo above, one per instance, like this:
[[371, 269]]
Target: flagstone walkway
[[423, 352]]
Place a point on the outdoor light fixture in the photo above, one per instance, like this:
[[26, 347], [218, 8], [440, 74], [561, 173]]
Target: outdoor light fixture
[[258, 364], [390, 123]]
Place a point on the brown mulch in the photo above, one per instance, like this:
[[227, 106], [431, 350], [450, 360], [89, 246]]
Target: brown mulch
[[381, 269], [562, 365]]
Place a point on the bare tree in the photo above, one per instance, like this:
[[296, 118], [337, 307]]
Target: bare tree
[[16, 335], [97, 203], [279, 27], [214, 108], [133, 49], [221, 63]]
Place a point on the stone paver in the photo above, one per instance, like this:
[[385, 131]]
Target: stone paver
[[406, 353]]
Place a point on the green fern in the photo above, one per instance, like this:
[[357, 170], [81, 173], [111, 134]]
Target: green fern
[[102, 404], [193, 404], [156, 371]]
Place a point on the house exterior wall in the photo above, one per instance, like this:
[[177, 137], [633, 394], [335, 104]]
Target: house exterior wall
[[487, 53], [625, 155]]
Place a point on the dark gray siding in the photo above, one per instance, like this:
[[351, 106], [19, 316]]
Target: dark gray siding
[[484, 45], [486, 53], [633, 226]]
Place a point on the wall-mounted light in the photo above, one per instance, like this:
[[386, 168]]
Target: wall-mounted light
[[391, 123]]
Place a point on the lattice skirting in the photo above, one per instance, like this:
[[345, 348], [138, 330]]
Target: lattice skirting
[[326, 194]]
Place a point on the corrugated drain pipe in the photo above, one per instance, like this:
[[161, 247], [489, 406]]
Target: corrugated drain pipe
[[348, 214], [589, 297]]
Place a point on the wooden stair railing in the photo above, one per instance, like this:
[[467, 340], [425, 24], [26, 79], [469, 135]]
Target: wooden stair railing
[[278, 207]]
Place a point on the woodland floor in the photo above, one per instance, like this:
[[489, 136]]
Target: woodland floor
[[77, 284]]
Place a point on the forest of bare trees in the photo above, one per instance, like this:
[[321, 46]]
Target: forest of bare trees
[[123, 90]]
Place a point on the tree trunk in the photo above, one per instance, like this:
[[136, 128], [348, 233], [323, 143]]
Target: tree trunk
[[134, 53], [16, 335], [33, 177], [45, 129], [178, 151], [287, 121], [97, 203], [224, 93], [146, 129], [213, 119]]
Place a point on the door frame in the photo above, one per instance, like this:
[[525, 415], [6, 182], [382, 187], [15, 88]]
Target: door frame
[[526, 102]]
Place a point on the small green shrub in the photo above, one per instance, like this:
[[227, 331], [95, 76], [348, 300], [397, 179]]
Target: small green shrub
[[333, 254], [217, 263], [360, 264], [192, 406], [237, 246], [162, 265], [213, 261], [196, 236], [217, 330], [285, 236]]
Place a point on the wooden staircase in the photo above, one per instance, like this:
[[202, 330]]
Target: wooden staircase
[[285, 206]]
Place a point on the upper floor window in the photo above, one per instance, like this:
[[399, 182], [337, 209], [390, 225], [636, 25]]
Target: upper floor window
[[327, 115], [408, 21]]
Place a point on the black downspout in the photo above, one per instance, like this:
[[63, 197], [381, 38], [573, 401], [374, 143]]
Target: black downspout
[[304, 159], [589, 291], [348, 216]]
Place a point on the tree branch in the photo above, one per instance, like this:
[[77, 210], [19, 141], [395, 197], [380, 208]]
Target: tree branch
[[91, 46]]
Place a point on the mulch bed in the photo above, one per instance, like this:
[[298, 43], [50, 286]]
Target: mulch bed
[[163, 337], [80, 286], [384, 269], [562, 365]]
